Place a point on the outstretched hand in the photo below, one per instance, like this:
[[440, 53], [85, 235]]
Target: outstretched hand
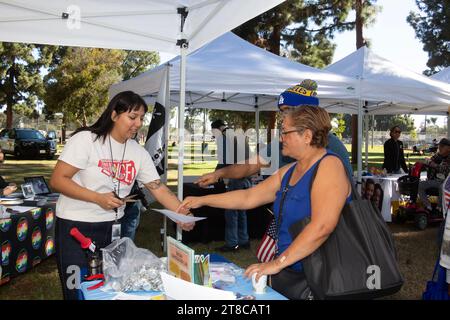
[[207, 179], [191, 203]]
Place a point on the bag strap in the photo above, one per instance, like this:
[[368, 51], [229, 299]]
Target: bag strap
[[284, 190], [355, 195]]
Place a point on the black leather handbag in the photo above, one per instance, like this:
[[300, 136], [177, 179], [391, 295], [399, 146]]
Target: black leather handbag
[[358, 260]]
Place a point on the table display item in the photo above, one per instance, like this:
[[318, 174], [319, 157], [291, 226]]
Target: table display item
[[93, 256], [129, 268]]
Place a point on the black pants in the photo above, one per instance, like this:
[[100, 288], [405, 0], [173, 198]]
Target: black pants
[[69, 252]]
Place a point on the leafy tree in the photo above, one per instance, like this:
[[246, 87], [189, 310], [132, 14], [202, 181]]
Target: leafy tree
[[340, 127], [136, 62], [78, 80], [385, 122], [21, 85], [304, 28], [431, 25], [78, 86]]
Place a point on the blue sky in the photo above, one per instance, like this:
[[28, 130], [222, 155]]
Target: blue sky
[[391, 37]]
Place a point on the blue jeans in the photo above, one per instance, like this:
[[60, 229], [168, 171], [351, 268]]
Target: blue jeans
[[130, 221], [236, 232]]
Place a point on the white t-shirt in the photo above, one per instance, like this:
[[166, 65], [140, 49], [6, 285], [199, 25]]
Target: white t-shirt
[[93, 158]]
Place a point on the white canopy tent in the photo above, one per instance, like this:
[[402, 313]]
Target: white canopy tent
[[230, 73], [443, 75], [389, 89], [392, 89], [163, 25]]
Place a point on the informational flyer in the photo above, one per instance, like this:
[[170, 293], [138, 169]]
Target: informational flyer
[[180, 260]]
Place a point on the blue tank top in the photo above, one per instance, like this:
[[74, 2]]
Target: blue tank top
[[297, 206]]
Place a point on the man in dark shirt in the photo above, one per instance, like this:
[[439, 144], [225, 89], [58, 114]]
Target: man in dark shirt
[[236, 232], [438, 169], [394, 158]]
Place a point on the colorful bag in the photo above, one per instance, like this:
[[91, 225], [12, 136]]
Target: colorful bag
[[437, 289]]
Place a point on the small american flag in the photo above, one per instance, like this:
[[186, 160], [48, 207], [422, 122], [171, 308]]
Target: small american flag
[[267, 248]]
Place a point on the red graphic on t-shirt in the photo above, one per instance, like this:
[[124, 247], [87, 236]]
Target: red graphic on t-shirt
[[126, 173]]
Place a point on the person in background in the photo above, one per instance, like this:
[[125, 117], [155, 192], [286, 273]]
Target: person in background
[[6, 188], [94, 173], [394, 157], [438, 169], [236, 232], [377, 198], [369, 189], [132, 214]]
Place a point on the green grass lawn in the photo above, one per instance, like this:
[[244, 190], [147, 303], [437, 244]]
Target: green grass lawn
[[416, 249]]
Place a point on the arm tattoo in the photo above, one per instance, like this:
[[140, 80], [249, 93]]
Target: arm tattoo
[[155, 184]]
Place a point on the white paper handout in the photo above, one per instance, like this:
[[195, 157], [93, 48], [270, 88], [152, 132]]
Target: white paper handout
[[128, 296], [178, 289], [176, 217]]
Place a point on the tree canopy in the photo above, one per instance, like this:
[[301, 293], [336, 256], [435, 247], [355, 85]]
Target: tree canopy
[[304, 29], [431, 25], [79, 78], [21, 84]]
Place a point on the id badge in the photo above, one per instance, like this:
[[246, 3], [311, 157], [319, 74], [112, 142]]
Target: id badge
[[116, 232]]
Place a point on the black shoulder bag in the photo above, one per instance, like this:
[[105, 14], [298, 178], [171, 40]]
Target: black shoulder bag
[[358, 260]]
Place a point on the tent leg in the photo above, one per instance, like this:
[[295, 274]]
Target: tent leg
[[166, 156], [366, 129], [181, 127], [257, 124], [359, 162], [448, 123]]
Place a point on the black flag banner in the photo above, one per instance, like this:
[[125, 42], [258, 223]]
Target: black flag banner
[[155, 143]]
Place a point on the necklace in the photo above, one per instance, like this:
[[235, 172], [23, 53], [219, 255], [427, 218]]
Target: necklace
[[116, 170]]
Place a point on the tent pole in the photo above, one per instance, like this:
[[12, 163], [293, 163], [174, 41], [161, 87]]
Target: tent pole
[[257, 124], [366, 128], [448, 122], [183, 43], [181, 128], [359, 155], [166, 156]]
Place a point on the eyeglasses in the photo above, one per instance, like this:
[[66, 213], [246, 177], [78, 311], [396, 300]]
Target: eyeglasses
[[284, 133], [397, 131]]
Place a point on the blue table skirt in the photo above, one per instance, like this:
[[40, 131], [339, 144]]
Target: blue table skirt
[[243, 286]]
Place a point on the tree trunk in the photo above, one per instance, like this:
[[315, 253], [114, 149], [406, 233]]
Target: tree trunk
[[359, 44], [10, 99], [63, 129]]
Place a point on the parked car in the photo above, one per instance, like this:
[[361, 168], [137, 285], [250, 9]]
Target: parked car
[[26, 143]]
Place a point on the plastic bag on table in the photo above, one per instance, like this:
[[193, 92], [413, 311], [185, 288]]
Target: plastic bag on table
[[129, 268]]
